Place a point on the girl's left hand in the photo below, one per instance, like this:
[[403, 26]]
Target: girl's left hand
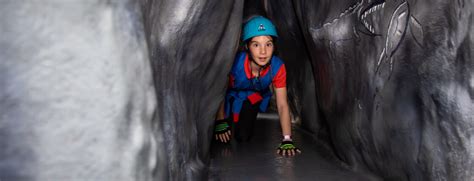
[[287, 148]]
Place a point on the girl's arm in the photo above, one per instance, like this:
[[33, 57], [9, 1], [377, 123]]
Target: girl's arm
[[286, 148], [220, 112], [283, 110]]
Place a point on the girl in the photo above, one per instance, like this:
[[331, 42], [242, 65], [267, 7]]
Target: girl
[[252, 73]]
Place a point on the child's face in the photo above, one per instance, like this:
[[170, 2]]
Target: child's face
[[261, 49]]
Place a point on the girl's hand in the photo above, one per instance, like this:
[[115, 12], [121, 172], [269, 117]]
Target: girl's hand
[[223, 137], [287, 148], [222, 131]]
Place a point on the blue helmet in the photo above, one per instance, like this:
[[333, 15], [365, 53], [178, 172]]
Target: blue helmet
[[258, 26]]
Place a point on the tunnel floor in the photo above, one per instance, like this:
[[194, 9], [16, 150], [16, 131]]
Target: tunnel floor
[[257, 159]]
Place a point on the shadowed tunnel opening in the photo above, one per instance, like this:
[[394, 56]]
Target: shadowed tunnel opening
[[128, 89], [256, 160]]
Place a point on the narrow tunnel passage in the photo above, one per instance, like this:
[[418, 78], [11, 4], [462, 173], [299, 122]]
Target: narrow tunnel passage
[[128, 89]]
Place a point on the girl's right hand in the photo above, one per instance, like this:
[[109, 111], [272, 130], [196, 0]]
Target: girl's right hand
[[224, 137]]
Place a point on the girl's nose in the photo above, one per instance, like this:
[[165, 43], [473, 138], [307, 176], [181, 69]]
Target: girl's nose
[[263, 50]]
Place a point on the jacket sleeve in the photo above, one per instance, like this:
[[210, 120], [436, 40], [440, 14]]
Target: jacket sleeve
[[279, 81]]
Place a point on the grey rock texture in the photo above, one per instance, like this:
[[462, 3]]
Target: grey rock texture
[[77, 97], [112, 90], [192, 45], [394, 84]]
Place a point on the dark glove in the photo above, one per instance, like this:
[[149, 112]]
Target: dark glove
[[221, 126], [222, 130], [287, 148]]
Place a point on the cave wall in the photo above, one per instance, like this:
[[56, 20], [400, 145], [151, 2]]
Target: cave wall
[[394, 81], [192, 45], [77, 96], [112, 90]]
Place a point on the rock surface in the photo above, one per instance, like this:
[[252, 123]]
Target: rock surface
[[394, 84]]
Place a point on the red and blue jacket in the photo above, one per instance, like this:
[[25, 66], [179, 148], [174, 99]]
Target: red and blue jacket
[[243, 86]]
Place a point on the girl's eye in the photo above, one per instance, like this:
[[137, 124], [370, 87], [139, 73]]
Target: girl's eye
[[255, 45], [269, 44]]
